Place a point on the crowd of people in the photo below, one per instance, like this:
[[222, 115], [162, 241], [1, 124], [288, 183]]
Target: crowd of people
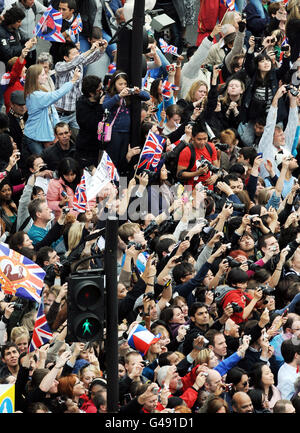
[[209, 236]]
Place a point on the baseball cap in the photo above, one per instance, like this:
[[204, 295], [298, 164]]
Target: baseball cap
[[17, 97]]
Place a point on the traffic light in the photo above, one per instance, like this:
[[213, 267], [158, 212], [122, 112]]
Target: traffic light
[[86, 306]]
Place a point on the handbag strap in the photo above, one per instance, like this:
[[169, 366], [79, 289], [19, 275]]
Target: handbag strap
[[117, 113]]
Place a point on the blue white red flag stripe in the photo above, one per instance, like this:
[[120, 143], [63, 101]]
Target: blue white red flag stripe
[[168, 49], [80, 200], [152, 151], [49, 26], [111, 168], [76, 26], [41, 333], [167, 88], [19, 275], [230, 4], [112, 68]]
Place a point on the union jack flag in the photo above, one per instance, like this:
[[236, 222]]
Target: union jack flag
[[41, 332], [76, 26], [112, 68], [167, 88], [19, 276], [49, 26], [167, 49], [230, 4], [151, 155], [111, 168], [80, 200]]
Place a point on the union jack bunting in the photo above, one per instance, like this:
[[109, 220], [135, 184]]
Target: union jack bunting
[[41, 332], [230, 4], [80, 200], [167, 49], [167, 89], [49, 26], [112, 68], [111, 168], [19, 276], [76, 26], [151, 155]]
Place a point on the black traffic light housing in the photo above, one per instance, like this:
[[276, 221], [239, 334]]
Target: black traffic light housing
[[86, 306]]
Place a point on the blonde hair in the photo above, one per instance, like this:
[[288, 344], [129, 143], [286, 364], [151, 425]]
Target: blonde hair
[[227, 136], [293, 9], [74, 235], [32, 80], [229, 18], [91, 367], [193, 89], [17, 332], [203, 356], [226, 99], [264, 195]]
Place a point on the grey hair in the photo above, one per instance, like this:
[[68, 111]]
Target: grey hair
[[45, 57], [162, 373]]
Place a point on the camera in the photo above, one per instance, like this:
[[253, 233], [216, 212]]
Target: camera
[[150, 229], [151, 174], [64, 194], [211, 167], [253, 266], [208, 67], [285, 48], [267, 290], [137, 245], [17, 306], [145, 363], [131, 90], [222, 146], [186, 327], [244, 16], [66, 210], [155, 390], [236, 206], [178, 260], [150, 295], [236, 308], [293, 91], [232, 262], [213, 195], [43, 167]]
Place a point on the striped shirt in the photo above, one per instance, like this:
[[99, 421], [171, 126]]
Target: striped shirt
[[64, 73]]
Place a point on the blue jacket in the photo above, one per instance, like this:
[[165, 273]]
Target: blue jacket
[[38, 125], [122, 122], [224, 366]]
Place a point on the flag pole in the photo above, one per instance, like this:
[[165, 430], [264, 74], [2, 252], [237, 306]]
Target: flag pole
[[140, 156], [224, 16]]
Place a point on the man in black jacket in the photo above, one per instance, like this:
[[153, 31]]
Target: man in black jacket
[[200, 323], [89, 113], [10, 44], [17, 116], [63, 148]]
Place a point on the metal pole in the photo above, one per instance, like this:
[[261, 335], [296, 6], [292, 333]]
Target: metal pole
[[136, 69], [111, 342]]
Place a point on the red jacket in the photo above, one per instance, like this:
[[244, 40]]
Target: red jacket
[[210, 12], [88, 406], [238, 297], [14, 84]]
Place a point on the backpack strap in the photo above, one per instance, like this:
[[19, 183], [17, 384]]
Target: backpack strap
[[209, 149], [191, 163]]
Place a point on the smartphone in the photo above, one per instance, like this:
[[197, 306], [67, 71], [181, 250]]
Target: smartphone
[[64, 194], [260, 154], [285, 313]]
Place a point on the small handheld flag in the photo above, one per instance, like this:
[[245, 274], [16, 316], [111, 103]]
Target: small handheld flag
[[80, 200], [19, 275], [76, 26], [168, 49], [49, 26], [150, 158], [41, 332]]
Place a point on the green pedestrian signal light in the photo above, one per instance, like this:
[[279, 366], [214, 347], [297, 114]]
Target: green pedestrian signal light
[[86, 306]]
